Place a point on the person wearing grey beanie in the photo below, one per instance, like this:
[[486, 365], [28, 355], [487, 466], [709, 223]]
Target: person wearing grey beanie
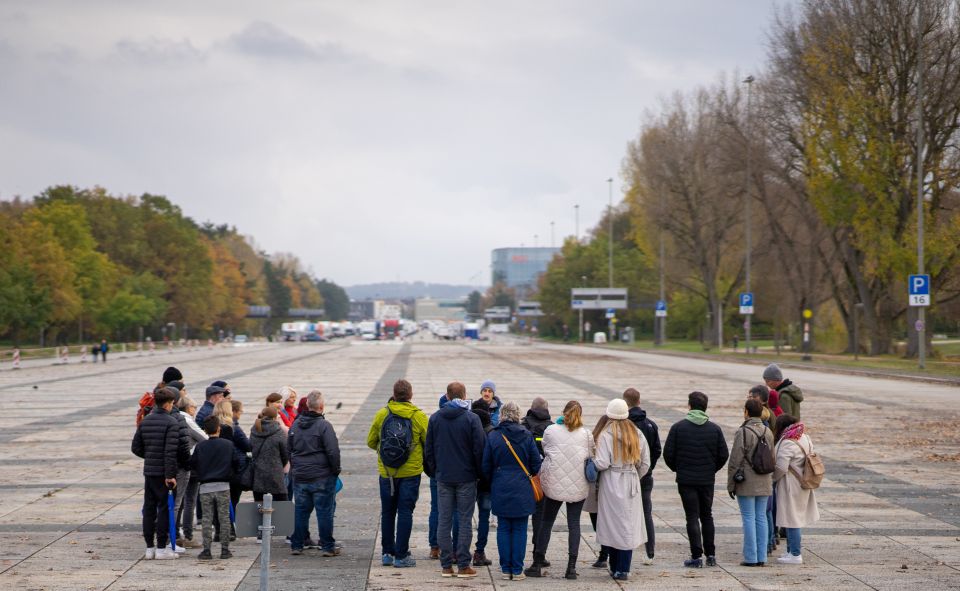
[[789, 395]]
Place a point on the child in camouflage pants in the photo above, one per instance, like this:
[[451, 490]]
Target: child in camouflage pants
[[214, 464]]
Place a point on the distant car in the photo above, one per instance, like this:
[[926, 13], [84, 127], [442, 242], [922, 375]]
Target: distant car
[[314, 338], [240, 338]]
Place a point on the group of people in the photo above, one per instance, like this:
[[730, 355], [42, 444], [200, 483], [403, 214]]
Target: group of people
[[482, 456]]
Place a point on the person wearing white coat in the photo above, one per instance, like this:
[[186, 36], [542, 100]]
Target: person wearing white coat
[[622, 456], [796, 506], [566, 447]]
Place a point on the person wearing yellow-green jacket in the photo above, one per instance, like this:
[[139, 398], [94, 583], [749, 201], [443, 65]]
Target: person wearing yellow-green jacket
[[398, 434]]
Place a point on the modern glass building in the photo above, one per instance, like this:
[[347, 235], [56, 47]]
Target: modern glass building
[[520, 268]]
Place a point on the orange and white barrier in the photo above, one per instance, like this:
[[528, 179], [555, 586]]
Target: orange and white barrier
[[153, 347], [169, 346], [65, 354], [83, 354], [139, 349], [16, 359], [210, 344]]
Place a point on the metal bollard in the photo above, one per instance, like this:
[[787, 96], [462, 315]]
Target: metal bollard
[[16, 359], [266, 529]]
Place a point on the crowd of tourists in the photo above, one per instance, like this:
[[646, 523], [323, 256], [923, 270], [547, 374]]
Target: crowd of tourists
[[484, 457]]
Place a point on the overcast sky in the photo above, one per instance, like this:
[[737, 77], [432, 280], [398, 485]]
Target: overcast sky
[[378, 141]]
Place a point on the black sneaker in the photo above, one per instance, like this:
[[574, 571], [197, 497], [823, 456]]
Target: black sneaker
[[205, 555], [711, 561], [224, 553], [296, 551], [693, 563]]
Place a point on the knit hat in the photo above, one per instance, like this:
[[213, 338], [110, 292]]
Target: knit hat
[[176, 384], [212, 390], [773, 373], [617, 409], [488, 384], [171, 374]]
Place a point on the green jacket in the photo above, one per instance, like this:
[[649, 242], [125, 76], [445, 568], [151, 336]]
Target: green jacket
[[790, 398], [414, 465]]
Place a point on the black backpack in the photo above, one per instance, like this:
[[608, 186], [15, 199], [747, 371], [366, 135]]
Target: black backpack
[[762, 460], [396, 440]]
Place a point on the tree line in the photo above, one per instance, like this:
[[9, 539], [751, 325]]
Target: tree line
[[81, 263], [821, 146]]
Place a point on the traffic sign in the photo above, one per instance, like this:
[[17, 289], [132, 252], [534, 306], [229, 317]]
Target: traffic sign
[[611, 313], [918, 325], [746, 303], [661, 310], [919, 289]]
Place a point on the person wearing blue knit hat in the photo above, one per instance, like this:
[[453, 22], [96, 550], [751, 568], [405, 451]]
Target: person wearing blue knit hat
[[488, 391]]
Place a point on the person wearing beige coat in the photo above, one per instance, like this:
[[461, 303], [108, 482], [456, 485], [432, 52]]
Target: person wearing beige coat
[[751, 489], [796, 506]]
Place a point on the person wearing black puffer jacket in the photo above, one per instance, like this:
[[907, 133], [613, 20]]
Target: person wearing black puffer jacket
[[638, 417], [184, 450], [157, 441], [696, 450], [536, 421]]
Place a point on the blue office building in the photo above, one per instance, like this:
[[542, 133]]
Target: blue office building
[[520, 268]]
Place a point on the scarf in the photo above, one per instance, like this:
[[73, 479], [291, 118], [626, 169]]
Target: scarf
[[461, 403], [794, 431], [697, 417]]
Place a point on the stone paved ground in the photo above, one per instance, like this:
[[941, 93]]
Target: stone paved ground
[[71, 491]]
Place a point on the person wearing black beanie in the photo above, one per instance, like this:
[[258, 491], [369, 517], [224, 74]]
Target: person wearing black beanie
[[171, 374]]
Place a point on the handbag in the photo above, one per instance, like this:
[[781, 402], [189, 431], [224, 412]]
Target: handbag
[[534, 480], [590, 470]]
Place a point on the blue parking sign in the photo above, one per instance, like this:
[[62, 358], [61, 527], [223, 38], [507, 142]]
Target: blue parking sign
[[661, 309], [918, 287], [746, 303]]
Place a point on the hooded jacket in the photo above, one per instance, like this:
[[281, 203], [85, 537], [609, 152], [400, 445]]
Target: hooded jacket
[[314, 449], [789, 398], [213, 460], [511, 494], [454, 445], [270, 454], [536, 421], [651, 433], [418, 422], [157, 441], [695, 451]]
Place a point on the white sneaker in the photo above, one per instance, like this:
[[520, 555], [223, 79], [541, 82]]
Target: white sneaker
[[647, 561], [150, 554], [790, 559], [179, 549], [166, 554]]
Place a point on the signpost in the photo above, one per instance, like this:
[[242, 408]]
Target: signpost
[[661, 309], [919, 288], [746, 303]]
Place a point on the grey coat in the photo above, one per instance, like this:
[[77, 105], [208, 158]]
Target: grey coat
[[744, 444], [269, 457]]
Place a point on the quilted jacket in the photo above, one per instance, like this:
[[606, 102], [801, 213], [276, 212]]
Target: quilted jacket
[[562, 472]]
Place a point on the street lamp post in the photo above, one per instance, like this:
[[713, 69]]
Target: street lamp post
[[583, 283], [921, 328], [661, 320], [552, 243], [610, 228], [746, 198], [576, 222]]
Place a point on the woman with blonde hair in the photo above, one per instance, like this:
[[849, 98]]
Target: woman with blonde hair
[[566, 447], [622, 456]]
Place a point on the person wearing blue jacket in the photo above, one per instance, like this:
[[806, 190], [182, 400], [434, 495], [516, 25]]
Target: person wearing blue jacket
[[452, 456], [510, 489]]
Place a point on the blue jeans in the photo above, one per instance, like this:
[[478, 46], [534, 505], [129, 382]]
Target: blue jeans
[[753, 514], [483, 519], [320, 495], [620, 561], [396, 509], [432, 520], [793, 540], [455, 498], [512, 543]]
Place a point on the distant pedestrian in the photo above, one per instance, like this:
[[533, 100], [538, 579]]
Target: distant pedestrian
[[796, 506], [536, 422], [215, 465], [398, 434], [480, 408], [452, 455], [157, 441], [104, 347], [622, 457], [488, 391], [651, 434], [696, 450], [751, 490], [315, 465], [789, 395], [509, 456], [566, 447]]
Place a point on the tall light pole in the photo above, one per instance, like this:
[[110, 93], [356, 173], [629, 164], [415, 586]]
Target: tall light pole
[[552, 244], [576, 222], [610, 227], [746, 198], [921, 328], [661, 320]]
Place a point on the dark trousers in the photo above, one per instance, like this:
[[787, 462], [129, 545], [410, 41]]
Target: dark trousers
[[397, 502], [537, 524], [550, 509], [483, 520], [455, 498], [646, 490], [697, 503], [620, 560], [432, 520], [156, 515], [511, 543]]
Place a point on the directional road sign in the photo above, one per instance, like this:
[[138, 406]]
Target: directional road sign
[[919, 288], [746, 303], [661, 310], [611, 313]]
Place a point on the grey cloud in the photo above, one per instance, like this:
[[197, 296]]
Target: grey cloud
[[156, 51], [265, 40]]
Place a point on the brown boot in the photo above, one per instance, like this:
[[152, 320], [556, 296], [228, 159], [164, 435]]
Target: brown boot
[[434, 553], [466, 572]]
